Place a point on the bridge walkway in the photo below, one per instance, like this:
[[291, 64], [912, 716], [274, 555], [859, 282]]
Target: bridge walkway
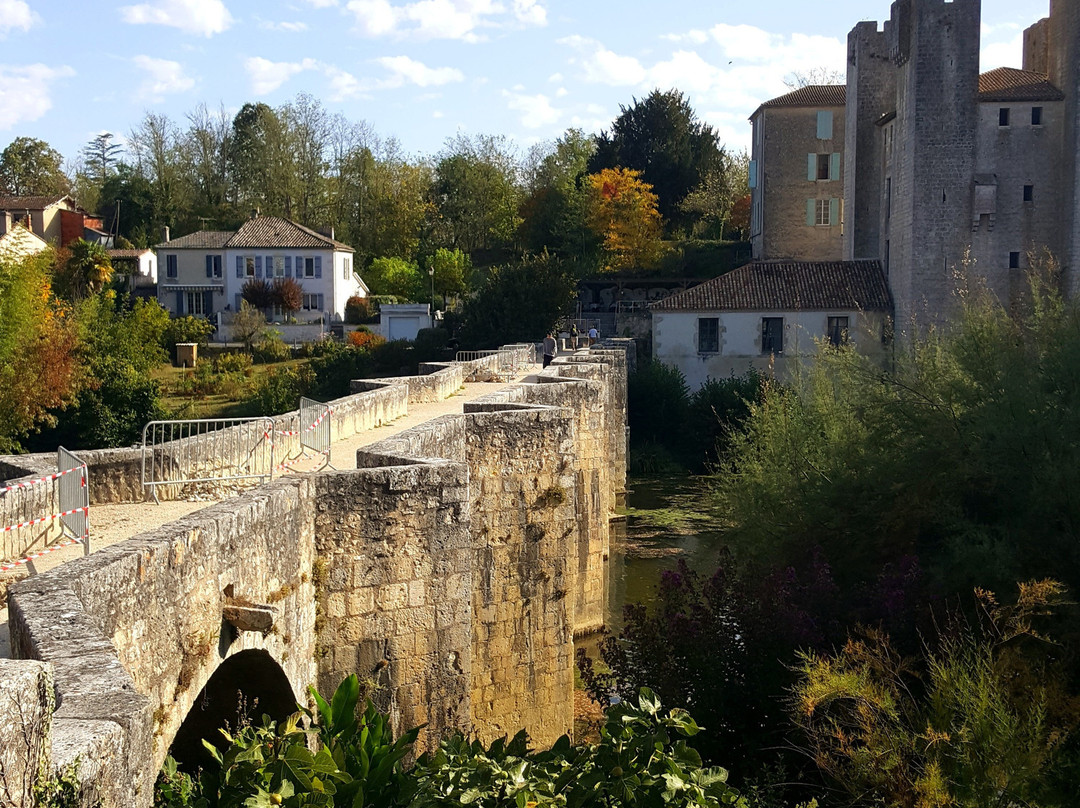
[[111, 524]]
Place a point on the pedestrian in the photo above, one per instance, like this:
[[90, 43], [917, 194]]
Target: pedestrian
[[549, 349], [594, 335], [573, 335]]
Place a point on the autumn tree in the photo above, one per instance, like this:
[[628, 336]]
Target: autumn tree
[[288, 294], [37, 339], [258, 293], [31, 167], [661, 137], [623, 214]]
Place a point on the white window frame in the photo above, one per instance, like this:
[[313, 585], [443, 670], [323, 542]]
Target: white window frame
[[822, 216], [193, 303], [249, 266], [310, 302]]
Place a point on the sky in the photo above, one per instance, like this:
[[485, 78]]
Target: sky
[[422, 71]]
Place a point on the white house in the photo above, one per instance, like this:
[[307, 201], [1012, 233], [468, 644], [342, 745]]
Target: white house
[[205, 272], [768, 313], [16, 242]]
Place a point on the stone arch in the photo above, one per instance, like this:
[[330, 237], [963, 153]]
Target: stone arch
[[246, 686]]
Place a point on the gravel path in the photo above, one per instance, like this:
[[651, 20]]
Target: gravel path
[[115, 523]]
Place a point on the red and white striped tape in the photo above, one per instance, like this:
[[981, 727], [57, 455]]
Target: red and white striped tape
[[46, 479], [41, 519], [292, 433], [51, 549]]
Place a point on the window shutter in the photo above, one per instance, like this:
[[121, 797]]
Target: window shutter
[[824, 125], [209, 266], [320, 296], [179, 304], [217, 266], [318, 269], [239, 266], [288, 266], [811, 167], [269, 261], [810, 212], [752, 173], [239, 301], [834, 212], [299, 265], [258, 266], [208, 303], [834, 166]]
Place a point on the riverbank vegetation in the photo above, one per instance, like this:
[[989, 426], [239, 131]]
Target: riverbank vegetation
[[851, 646]]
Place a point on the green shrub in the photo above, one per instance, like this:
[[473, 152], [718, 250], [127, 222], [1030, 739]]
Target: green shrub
[[187, 329], [358, 310], [279, 390], [232, 362], [271, 349]]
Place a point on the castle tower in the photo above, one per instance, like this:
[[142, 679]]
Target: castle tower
[[930, 163], [1063, 67]]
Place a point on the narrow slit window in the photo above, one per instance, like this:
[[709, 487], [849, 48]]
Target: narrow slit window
[[1003, 116], [1014, 260], [1029, 193], [1036, 116]]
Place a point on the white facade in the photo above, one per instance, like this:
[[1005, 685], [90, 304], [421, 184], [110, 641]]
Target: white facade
[[732, 341], [326, 276], [402, 320]]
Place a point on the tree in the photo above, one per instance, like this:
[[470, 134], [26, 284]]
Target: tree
[[520, 302], [288, 294], [477, 193], [711, 203], [101, 155], [452, 269], [156, 148], [623, 214], [258, 292], [248, 324], [554, 213], [395, 276], [661, 137], [127, 202], [31, 167], [814, 75], [38, 367], [85, 273]]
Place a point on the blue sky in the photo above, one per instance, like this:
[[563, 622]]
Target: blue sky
[[420, 70]]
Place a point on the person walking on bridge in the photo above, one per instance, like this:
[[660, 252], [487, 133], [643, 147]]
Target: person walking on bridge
[[549, 349]]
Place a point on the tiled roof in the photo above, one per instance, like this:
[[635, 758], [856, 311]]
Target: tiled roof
[[199, 240], [270, 231], [812, 95], [788, 286], [16, 203], [126, 253], [1010, 84]]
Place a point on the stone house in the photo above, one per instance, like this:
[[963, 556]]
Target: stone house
[[204, 273], [797, 176], [768, 314], [57, 219]]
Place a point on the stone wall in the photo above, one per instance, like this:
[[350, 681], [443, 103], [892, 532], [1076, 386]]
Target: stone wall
[[26, 705]]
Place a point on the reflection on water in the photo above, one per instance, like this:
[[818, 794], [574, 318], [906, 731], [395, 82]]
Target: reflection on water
[[668, 518]]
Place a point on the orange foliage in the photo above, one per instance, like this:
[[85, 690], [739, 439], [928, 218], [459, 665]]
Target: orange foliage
[[364, 340], [739, 219], [623, 213]]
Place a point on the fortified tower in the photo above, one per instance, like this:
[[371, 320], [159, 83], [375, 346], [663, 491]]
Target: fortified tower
[[1063, 69]]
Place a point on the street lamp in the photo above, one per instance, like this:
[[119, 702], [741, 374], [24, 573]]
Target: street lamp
[[431, 273]]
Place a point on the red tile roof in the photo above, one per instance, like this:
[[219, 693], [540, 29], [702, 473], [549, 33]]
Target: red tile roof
[[18, 203], [199, 240], [270, 231], [789, 286], [1010, 84], [812, 95]]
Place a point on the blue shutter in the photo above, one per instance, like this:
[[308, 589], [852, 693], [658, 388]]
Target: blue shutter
[[824, 125], [288, 266], [239, 301], [217, 266], [269, 266], [811, 167], [834, 166], [834, 212], [258, 266], [179, 304], [318, 269], [320, 296], [208, 303], [752, 173], [239, 266], [209, 266], [810, 217]]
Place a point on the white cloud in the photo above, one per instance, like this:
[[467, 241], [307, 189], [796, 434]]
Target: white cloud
[[536, 110], [291, 27], [343, 84], [1002, 54], [437, 114], [15, 14], [695, 37], [24, 92], [203, 17], [441, 19], [561, 92], [161, 77], [405, 70], [602, 66], [267, 76], [321, 3]]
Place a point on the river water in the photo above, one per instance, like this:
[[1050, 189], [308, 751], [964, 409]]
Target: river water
[[668, 518]]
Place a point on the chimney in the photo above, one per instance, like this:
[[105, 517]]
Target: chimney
[[254, 212], [165, 234]]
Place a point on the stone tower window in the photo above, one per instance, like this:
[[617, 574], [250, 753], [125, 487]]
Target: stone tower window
[[708, 334], [1003, 116], [1029, 193], [1036, 116], [1014, 260]]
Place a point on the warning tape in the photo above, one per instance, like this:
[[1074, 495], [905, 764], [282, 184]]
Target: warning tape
[[292, 433], [41, 519], [46, 479], [51, 549]]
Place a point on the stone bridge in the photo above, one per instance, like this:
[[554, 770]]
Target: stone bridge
[[451, 570]]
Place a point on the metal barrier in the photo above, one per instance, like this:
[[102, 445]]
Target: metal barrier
[[512, 359], [315, 427], [73, 489], [207, 450]]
